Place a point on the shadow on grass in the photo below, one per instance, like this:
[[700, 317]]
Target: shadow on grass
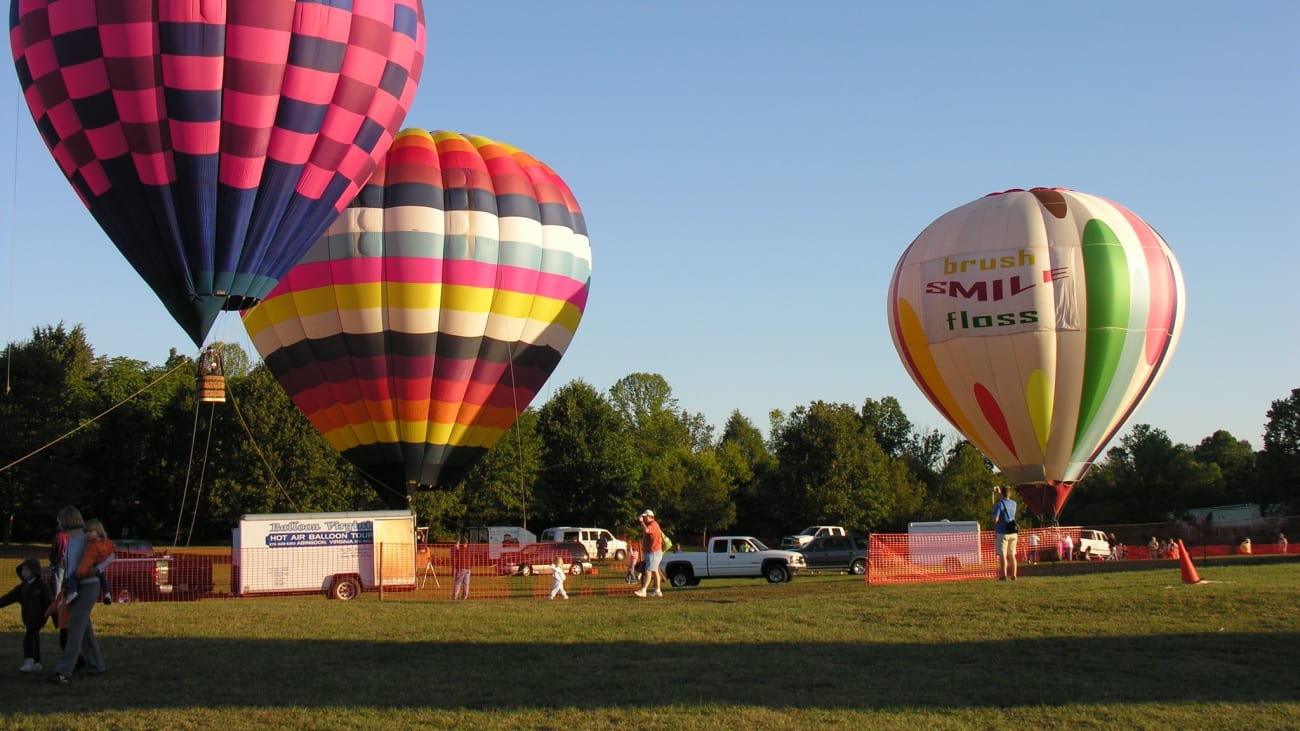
[[183, 673]]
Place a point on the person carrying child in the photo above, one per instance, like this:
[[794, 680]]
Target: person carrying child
[[97, 554], [89, 551], [557, 578], [32, 595]]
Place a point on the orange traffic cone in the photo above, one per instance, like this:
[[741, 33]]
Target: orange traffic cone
[[1189, 571]]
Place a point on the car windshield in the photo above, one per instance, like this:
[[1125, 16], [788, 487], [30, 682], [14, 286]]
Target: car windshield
[[809, 531], [759, 545]]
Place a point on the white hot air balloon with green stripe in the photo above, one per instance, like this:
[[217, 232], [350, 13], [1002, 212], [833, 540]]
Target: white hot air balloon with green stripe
[[1036, 321]]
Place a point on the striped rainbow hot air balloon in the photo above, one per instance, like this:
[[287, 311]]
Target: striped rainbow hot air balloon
[[415, 332], [1036, 322]]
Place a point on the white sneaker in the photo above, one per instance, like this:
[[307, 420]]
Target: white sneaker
[[640, 593], [36, 666], [27, 666], [657, 593]]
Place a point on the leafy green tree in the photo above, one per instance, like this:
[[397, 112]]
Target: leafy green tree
[[646, 403], [964, 487], [1236, 463], [496, 491], [268, 458], [590, 469], [745, 461], [47, 433], [891, 427], [1151, 477], [1279, 462], [831, 469]]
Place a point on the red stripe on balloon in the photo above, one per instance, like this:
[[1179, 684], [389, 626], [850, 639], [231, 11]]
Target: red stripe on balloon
[[993, 414]]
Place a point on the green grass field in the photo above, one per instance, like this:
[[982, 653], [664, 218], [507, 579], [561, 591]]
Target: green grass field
[[1136, 650]]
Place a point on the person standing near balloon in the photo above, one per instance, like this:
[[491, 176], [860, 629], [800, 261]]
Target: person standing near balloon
[[461, 570], [1006, 533]]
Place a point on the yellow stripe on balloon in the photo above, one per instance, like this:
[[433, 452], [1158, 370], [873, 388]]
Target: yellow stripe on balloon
[[374, 295], [1038, 399]]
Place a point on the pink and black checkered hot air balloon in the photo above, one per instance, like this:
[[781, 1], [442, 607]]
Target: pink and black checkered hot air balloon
[[415, 332], [1036, 322], [215, 140]]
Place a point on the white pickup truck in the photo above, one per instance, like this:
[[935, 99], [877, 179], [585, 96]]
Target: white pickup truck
[[806, 536], [734, 556]]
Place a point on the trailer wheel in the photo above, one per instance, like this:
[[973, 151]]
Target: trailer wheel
[[345, 588]]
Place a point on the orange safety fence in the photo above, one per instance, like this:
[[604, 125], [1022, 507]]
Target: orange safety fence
[[429, 571], [902, 558]]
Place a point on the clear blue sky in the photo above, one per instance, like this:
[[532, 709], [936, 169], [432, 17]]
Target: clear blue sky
[[751, 173]]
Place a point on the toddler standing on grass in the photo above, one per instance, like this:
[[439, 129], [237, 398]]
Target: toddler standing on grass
[[32, 595], [557, 578]]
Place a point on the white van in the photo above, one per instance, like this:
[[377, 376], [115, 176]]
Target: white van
[[500, 538], [589, 538]]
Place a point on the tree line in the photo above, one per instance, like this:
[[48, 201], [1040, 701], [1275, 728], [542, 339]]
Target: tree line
[[128, 442]]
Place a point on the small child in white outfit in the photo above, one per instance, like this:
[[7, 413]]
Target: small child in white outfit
[[557, 578]]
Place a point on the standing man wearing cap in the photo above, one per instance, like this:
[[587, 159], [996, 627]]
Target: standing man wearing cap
[[652, 548]]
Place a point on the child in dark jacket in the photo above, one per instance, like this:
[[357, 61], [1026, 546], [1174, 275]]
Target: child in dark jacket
[[33, 595]]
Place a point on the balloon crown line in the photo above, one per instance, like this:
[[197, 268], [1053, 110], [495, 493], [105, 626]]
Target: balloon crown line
[[1024, 190]]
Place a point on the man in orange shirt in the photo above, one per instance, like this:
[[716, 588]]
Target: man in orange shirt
[[652, 548]]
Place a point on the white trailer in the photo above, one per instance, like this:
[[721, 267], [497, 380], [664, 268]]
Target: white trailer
[[948, 543], [338, 554]]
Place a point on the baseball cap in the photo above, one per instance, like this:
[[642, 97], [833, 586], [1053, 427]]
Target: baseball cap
[[647, 513]]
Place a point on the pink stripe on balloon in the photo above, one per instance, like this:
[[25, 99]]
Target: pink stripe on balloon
[[993, 414], [310, 86], [196, 138], [420, 270], [268, 46], [193, 73], [254, 111], [1164, 295], [292, 148], [124, 40]]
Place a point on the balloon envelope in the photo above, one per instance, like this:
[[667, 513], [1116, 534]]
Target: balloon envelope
[[1036, 322], [215, 141], [428, 317]]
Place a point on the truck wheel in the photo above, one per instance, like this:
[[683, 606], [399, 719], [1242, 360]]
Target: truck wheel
[[679, 576], [777, 573], [576, 569], [858, 567], [620, 555], [345, 588]]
